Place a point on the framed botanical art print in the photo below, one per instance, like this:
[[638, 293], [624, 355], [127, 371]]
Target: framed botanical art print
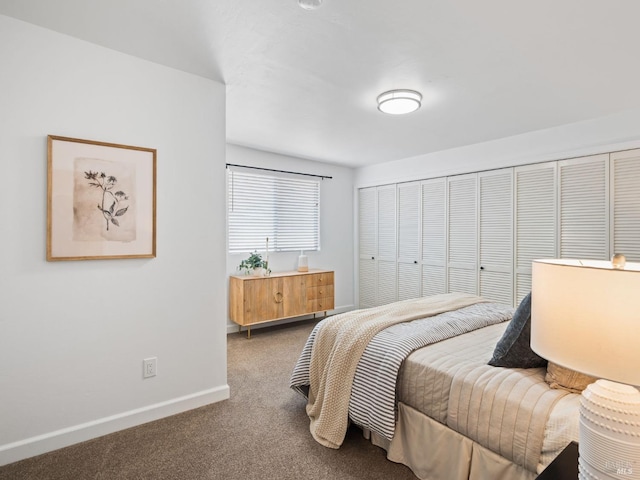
[[101, 200]]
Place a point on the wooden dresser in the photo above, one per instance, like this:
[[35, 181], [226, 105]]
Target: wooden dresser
[[280, 295]]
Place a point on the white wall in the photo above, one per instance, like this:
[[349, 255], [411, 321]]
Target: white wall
[[606, 134], [73, 334], [336, 221]]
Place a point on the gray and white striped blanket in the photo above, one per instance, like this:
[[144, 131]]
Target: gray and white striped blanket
[[372, 402]]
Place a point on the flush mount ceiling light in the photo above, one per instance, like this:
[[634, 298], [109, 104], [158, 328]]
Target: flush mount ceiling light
[[309, 4], [398, 102]]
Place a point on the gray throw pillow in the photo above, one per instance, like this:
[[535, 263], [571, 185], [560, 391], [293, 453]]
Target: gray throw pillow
[[514, 348]]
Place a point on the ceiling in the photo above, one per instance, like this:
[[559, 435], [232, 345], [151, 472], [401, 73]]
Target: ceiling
[[304, 83]]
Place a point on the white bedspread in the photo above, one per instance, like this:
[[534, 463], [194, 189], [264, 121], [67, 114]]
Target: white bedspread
[[335, 347], [450, 382], [373, 396], [426, 381]]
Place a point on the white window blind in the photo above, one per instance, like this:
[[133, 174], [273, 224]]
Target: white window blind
[[286, 210]]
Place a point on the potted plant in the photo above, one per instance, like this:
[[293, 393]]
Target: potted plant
[[254, 264]]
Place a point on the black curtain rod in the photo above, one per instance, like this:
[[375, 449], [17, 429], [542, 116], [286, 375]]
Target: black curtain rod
[[279, 171]]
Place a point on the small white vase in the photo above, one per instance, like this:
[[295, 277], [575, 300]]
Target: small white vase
[[258, 272], [303, 262]]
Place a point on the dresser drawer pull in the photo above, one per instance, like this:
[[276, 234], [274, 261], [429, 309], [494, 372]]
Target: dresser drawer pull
[[278, 297]]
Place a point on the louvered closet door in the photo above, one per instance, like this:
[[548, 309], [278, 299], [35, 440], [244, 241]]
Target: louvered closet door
[[625, 172], [387, 234], [368, 247], [535, 219], [496, 235], [584, 220], [408, 240], [434, 236], [463, 232], [368, 277]]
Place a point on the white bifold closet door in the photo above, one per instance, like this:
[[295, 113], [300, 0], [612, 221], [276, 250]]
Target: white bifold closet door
[[583, 192], [368, 247], [463, 234], [535, 220], [377, 276], [387, 235], [625, 170], [496, 235], [434, 236], [409, 227]]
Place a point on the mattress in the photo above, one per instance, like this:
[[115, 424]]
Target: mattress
[[427, 376]]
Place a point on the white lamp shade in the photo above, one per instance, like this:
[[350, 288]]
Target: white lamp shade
[[585, 315]]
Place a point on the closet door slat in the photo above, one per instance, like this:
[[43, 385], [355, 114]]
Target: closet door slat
[[583, 194], [496, 235], [463, 228], [535, 220], [626, 204]]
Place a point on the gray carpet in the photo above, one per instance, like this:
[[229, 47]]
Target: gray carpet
[[262, 432]]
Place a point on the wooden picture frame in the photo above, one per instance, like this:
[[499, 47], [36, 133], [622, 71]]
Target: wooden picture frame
[[101, 200]]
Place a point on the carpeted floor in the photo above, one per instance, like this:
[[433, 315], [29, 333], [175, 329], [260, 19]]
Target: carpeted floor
[[261, 432]]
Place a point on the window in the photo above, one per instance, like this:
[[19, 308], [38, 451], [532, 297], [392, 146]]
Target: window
[[286, 210]]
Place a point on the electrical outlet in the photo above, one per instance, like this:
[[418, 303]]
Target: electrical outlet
[[149, 367]]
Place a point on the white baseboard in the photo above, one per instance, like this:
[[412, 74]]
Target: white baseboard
[[233, 328], [47, 442]]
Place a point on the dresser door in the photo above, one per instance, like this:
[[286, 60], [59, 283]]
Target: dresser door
[[263, 299]]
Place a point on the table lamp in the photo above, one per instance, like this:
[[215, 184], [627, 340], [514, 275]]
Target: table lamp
[[585, 316]]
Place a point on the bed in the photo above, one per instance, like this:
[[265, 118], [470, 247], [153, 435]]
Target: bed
[[414, 375]]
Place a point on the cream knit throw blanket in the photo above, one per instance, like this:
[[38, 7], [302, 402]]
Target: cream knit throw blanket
[[337, 349]]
